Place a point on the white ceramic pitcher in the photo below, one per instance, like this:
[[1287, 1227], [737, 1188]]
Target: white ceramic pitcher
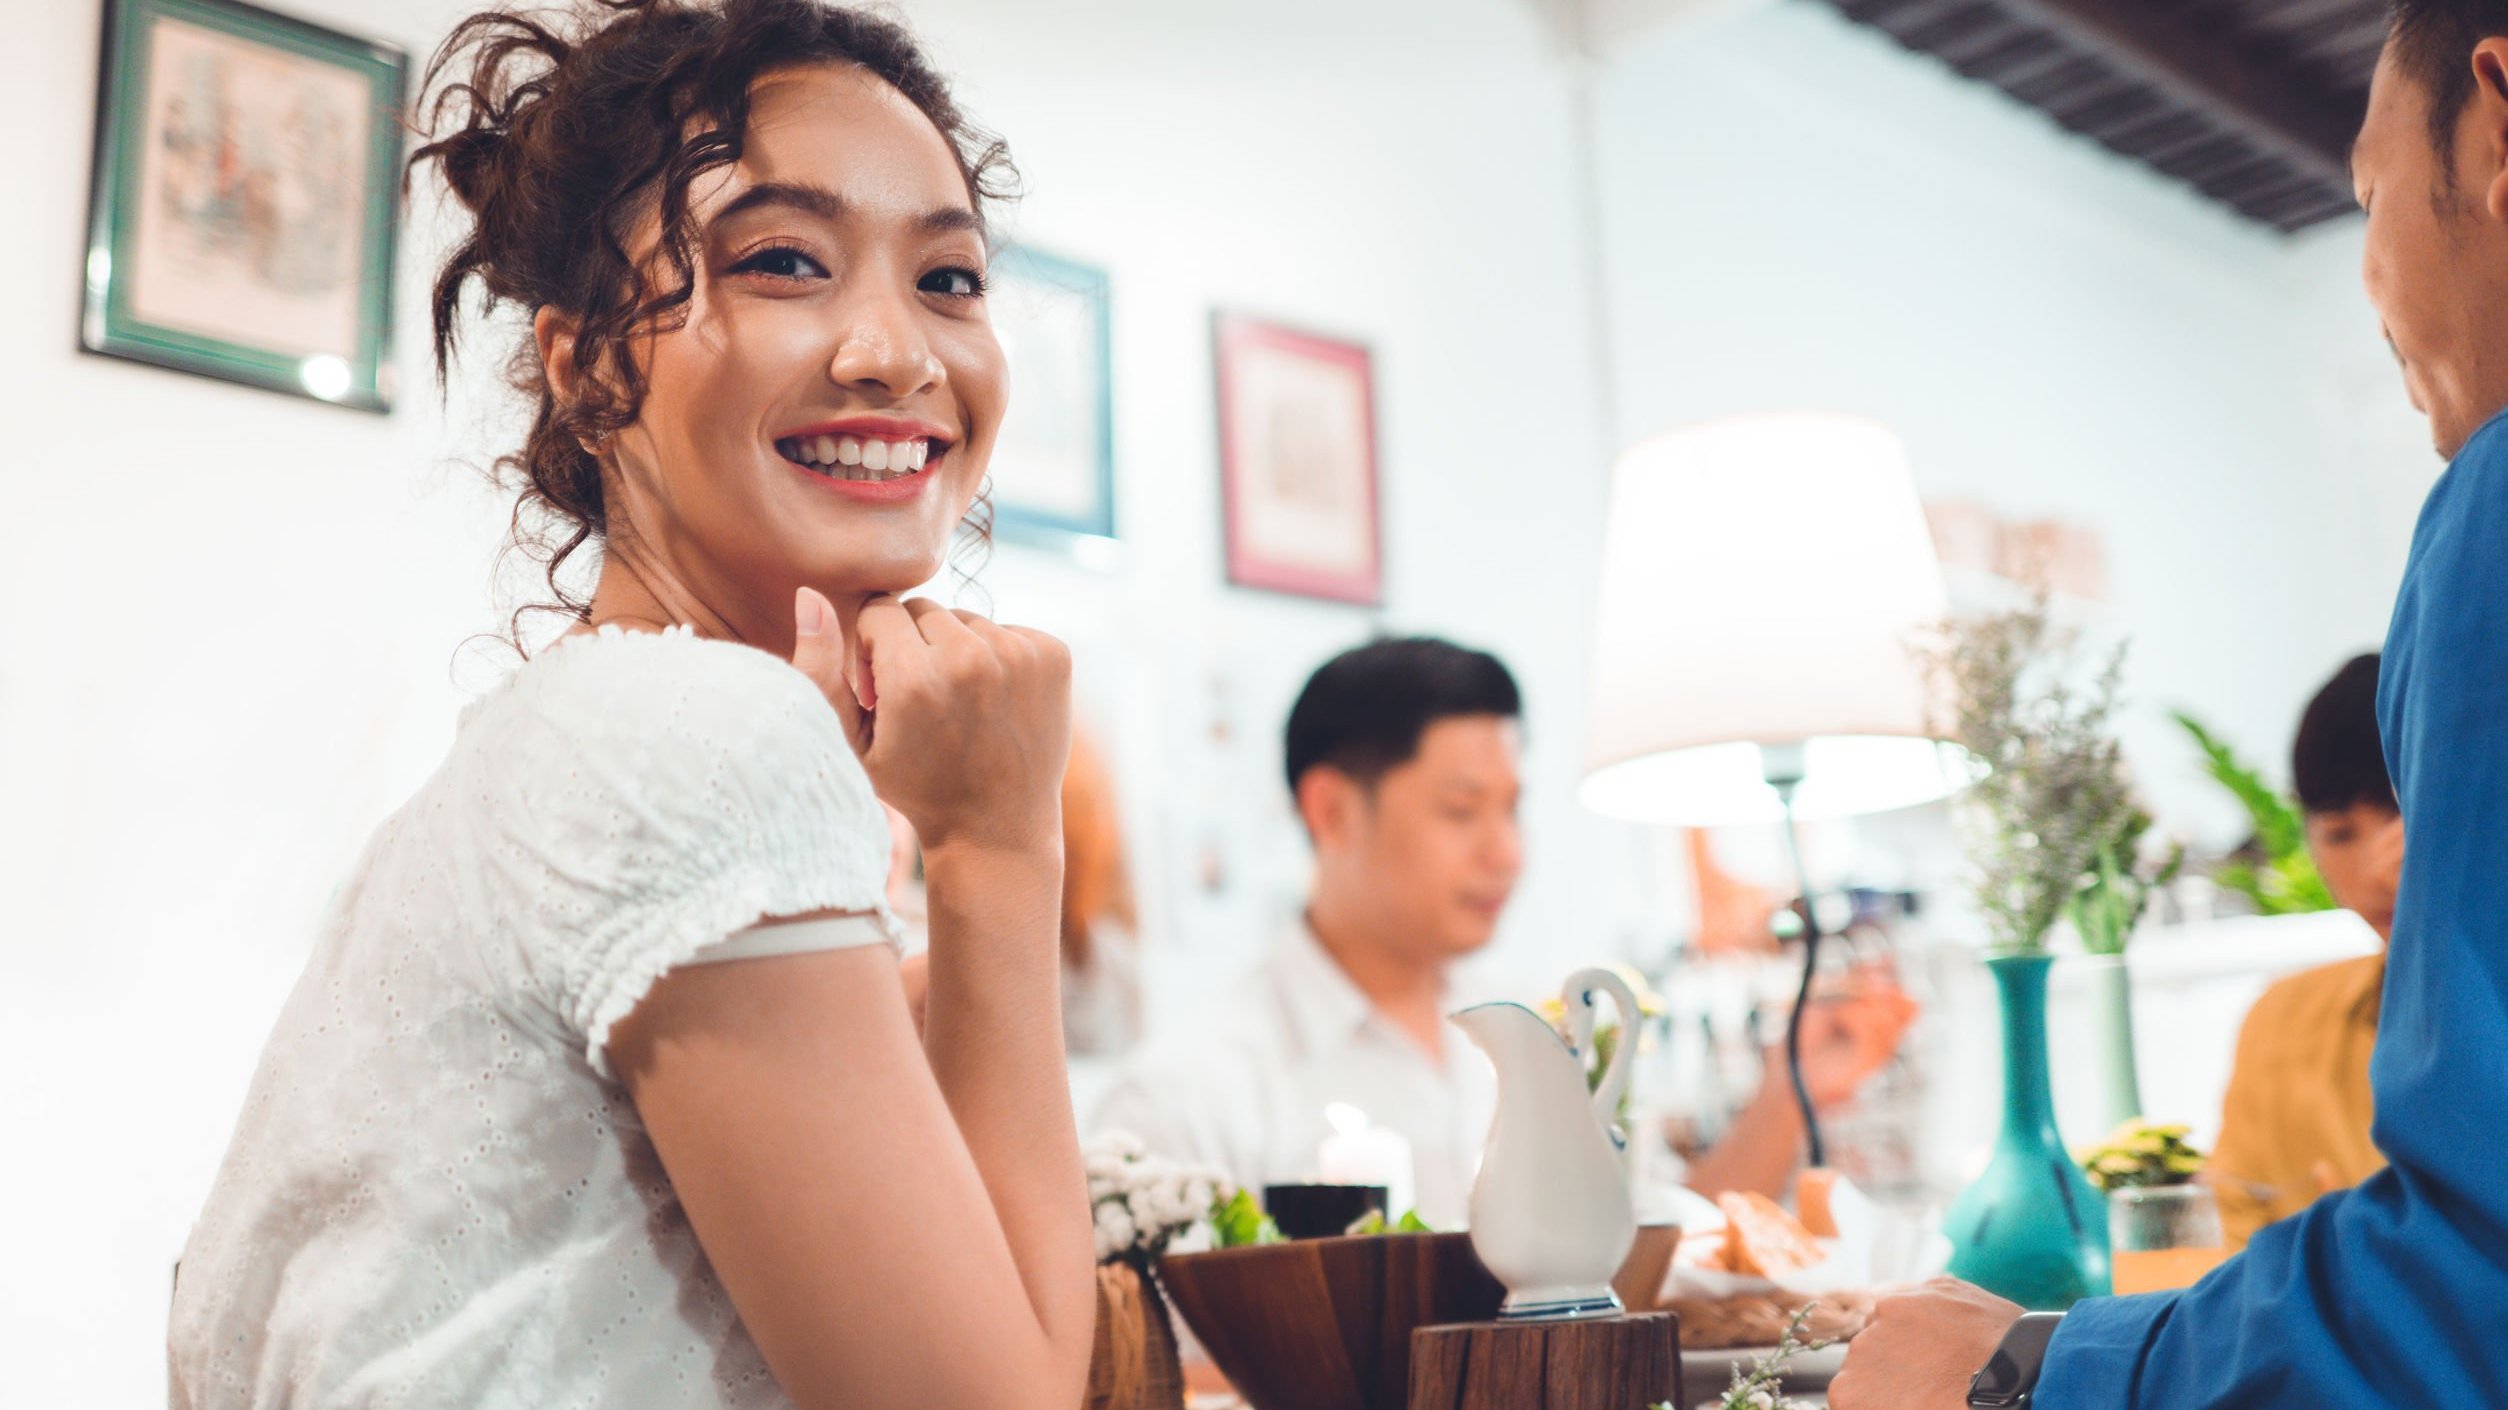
[[1551, 1215]]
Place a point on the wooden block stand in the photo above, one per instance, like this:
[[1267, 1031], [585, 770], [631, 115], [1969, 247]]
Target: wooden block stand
[[1599, 1363]]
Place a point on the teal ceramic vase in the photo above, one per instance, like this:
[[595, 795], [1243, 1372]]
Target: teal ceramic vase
[[2033, 1228]]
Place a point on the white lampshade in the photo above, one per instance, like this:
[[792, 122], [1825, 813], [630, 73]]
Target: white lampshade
[[1763, 580]]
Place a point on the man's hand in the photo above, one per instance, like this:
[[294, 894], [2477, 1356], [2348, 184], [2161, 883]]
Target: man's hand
[[1922, 1347]]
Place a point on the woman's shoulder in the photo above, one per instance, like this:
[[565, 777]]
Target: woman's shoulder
[[728, 731], [618, 681]]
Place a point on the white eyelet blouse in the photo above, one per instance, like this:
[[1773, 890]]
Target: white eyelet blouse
[[438, 1194]]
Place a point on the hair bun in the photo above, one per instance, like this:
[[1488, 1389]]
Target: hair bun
[[472, 162]]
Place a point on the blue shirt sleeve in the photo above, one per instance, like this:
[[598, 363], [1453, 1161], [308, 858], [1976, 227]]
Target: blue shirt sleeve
[[2396, 1292]]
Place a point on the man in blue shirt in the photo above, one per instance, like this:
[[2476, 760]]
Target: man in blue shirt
[[2394, 1292]]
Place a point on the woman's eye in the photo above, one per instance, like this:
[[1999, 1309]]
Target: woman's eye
[[956, 281], [779, 262]]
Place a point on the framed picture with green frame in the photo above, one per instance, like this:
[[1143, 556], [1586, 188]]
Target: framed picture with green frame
[[1053, 471], [245, 200]]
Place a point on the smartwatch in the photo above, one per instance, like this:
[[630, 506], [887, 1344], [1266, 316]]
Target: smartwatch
[[2011, 1378]]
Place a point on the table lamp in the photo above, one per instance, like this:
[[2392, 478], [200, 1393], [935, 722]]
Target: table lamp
[[1765, 579]]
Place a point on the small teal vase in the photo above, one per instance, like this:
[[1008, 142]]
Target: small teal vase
[[2033, 1228]]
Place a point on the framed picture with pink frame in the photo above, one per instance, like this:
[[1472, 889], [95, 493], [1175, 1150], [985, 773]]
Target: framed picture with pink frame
[[1299, 488]]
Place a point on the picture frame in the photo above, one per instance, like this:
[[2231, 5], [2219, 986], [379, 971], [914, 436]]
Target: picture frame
[[245, 202], [1299, 481], [1053, 466]]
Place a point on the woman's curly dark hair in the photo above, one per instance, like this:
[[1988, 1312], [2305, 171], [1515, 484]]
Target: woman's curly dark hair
[[561, 134]]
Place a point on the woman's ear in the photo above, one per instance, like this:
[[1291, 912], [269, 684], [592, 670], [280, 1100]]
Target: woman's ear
[[554, 332]]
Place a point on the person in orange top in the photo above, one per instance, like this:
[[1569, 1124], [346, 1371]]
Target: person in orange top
[[2295, 1121]]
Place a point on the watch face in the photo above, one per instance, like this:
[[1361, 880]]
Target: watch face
[[2000, 1383], [2008, 1379]]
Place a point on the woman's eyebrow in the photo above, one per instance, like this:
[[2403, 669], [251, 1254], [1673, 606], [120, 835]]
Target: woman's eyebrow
[[814, 200]]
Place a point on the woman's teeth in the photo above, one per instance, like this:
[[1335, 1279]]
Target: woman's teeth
[[856, 457]]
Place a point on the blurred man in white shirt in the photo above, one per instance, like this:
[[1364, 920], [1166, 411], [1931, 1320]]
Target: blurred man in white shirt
[[1402, 756]]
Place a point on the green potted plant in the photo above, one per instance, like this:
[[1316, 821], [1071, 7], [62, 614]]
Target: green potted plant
[[2164, 1224]]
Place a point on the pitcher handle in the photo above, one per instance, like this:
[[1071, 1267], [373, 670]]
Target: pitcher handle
[[1578, 999]]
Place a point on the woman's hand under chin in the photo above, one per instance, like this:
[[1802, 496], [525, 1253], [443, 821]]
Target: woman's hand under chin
[[963, 725]]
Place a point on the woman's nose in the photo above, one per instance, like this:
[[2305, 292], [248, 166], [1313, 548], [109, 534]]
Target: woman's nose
[[881, 349]]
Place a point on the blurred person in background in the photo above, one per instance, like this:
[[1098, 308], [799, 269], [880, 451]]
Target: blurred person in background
[[1403, 758], [1101, 967], [2295, 1120]]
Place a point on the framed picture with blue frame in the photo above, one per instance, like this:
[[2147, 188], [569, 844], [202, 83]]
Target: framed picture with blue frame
[[246, 197], [1053, 468]]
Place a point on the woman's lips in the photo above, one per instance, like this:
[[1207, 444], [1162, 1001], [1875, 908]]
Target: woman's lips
[[847, 456], [863, 485]]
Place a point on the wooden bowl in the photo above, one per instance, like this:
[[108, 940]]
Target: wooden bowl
[[1325, 1324]]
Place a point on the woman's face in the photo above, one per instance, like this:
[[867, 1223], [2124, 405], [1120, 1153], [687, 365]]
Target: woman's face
[[2359, 850], [825, 413]]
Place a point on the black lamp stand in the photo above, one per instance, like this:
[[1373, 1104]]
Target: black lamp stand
[[1782, 766]]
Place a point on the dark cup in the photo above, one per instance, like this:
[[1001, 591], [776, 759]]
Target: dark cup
[[1321, 1211]]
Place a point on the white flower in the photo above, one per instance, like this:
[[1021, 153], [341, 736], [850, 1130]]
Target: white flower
[[1115, 1231], [1115, 1146], [1143, 1201]]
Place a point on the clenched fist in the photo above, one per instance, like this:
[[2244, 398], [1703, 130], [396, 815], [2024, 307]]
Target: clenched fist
[[964, 725]]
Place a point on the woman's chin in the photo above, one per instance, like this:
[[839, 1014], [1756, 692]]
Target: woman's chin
[[860, 580]]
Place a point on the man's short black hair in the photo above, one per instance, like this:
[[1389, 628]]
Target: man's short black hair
[[1363, 711], [2338, 761], [2432, 43]]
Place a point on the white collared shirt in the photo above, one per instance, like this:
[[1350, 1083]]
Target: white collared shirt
[[1244, 1088]]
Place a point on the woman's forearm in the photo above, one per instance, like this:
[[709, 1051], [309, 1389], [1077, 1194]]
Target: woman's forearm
[[993, 1032]]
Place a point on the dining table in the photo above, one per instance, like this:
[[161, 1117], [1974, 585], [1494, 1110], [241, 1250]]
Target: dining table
[[1704, 1376]]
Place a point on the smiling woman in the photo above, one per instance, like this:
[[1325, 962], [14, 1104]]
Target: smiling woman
[[602, 1084], [785, 201]]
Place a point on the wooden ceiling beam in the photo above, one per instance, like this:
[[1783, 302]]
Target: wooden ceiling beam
[[2267, 103], [2286, 16], [2007, 68]]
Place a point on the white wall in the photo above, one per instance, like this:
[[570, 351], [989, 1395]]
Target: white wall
[[1800, 212], [227, 626]]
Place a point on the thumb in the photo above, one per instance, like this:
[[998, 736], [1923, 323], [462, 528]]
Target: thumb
[[819, 651]]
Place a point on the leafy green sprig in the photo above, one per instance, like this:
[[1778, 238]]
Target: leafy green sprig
[[2283, 880], [2055, 795]]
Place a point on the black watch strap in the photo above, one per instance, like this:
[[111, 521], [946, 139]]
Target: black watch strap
[[2011, 1378]]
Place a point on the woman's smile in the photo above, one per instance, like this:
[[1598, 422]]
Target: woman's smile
[[877, 459]]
